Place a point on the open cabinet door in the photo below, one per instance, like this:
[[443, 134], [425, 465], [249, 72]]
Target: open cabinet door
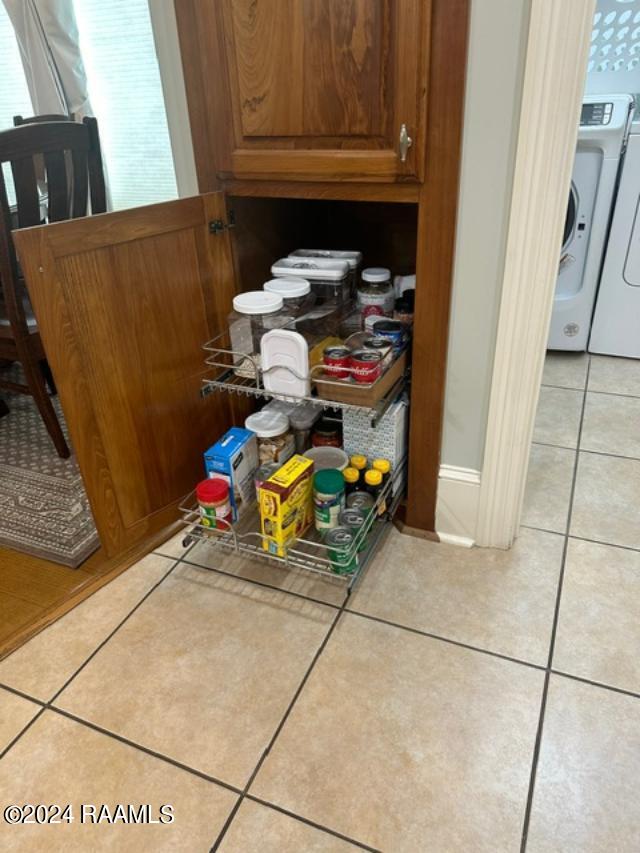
[[124, 302]]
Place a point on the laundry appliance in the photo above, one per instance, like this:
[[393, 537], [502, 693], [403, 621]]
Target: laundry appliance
[[604, 124]]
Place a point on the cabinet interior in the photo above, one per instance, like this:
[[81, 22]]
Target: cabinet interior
[[269, 228]]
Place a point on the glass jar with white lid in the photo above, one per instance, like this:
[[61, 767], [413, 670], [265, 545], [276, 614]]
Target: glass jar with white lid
[[295, 292], [375, 295], [254, 313]]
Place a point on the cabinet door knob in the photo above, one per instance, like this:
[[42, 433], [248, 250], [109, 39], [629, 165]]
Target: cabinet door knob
[[405, 143]]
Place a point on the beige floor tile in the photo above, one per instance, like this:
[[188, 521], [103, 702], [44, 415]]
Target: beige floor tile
[[548, 491], [290, 579], [60, 761], [558, 417], [203, 671], [502, 601], [15, 713], [606, 503], [615, 375], [611, 425], [598, 634], [256, 829], [586, 793], [407, 743], [566, 369], [42, 665], [173, 547]]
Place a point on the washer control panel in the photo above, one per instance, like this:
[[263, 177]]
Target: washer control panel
[[596, 115]]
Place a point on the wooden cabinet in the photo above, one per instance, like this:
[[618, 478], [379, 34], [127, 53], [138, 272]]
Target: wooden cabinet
[[125, 300], [308, 89]]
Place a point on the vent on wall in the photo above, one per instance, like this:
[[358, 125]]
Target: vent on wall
[[614, 55]]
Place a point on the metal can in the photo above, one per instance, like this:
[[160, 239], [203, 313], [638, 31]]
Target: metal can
[[328, 498], [264, 472], [392, 331], [337, 361], [339, 541], [381, 345], [355, 519], [366, 365], [360, 500]]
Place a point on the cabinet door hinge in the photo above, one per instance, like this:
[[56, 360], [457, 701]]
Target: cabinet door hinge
[[217, 226]]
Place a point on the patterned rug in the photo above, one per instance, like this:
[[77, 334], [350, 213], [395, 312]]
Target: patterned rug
[[43, 506]]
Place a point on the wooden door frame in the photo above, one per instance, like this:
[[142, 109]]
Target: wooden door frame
[[557, 49]]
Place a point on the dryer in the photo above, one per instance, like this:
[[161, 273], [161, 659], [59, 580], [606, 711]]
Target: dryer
[[604, 124], [616, 322]]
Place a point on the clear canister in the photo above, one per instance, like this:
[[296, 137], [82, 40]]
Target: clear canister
[[254, 313], [296, 294], [375, 295]]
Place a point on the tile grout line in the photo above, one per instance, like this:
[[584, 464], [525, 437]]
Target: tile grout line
[[583, 538], [279, 727], [48, 704], [584, 450], [610, 687], [554, 628]]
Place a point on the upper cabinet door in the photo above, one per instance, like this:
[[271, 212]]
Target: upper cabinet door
[[307, 89], [124, 302]]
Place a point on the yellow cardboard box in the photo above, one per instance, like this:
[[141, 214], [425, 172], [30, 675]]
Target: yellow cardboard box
[[286, 504]]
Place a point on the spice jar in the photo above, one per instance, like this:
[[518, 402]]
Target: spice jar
[[326, 434], [359, 462], [213, 500], [295, 292], [275, 439], [254, 313], [351, 479], [373, 484], [375, 295]]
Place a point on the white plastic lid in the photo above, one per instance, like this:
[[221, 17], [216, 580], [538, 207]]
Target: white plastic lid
[[353, 258], [267, 424], [376, 274], [320, 269], [257, 302], [288, 288]]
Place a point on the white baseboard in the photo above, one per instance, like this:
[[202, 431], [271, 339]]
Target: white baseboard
[[457, 505]]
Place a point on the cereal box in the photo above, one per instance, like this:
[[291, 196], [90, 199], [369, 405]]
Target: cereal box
[[286, 507]]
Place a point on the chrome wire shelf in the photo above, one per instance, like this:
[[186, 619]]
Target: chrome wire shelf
[[308, 553], [238, 373]]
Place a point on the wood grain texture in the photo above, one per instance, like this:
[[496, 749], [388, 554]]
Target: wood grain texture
[[436, 250], [124, 314], [328, 82], [330, 190]]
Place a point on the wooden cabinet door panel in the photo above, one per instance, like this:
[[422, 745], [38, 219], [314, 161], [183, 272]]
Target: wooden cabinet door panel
[[307, 89], [124, 302]]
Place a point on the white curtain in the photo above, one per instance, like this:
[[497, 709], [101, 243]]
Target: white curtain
[[47, 36]]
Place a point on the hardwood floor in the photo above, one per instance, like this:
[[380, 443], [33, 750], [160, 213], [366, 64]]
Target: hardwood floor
[[34, 593], [31, 587]]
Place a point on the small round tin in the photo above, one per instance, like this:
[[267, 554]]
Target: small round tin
[[339, 542], [366, 365], [392, 331]]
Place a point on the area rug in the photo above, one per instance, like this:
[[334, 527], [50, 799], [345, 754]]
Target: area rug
[[44, 510]]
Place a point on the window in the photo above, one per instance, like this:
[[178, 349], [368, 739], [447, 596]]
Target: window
[[14, 94], [116, 42]]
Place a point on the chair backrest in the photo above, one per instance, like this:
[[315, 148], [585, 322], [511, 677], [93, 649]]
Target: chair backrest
[[70, 152], [17, 120]]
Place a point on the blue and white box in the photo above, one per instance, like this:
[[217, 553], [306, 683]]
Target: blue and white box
[[235, 458]]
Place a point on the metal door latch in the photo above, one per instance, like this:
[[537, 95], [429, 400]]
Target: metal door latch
[[217, 226]]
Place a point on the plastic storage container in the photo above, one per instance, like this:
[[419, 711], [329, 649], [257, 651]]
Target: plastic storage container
[[353, 258], [295, 292], [302, 419], [375, 295], [330, 280], [254, 313]]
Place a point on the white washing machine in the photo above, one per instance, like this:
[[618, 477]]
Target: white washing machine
[[604, 124], [616, 322]]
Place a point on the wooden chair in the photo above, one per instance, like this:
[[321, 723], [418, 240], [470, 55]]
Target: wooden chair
[[73, 168], [18, 120]]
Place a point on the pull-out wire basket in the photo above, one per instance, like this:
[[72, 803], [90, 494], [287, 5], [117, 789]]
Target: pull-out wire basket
[[308, 552]]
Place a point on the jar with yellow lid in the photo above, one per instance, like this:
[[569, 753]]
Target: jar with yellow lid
[[359, 462], [373, 485], [351, 479]]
